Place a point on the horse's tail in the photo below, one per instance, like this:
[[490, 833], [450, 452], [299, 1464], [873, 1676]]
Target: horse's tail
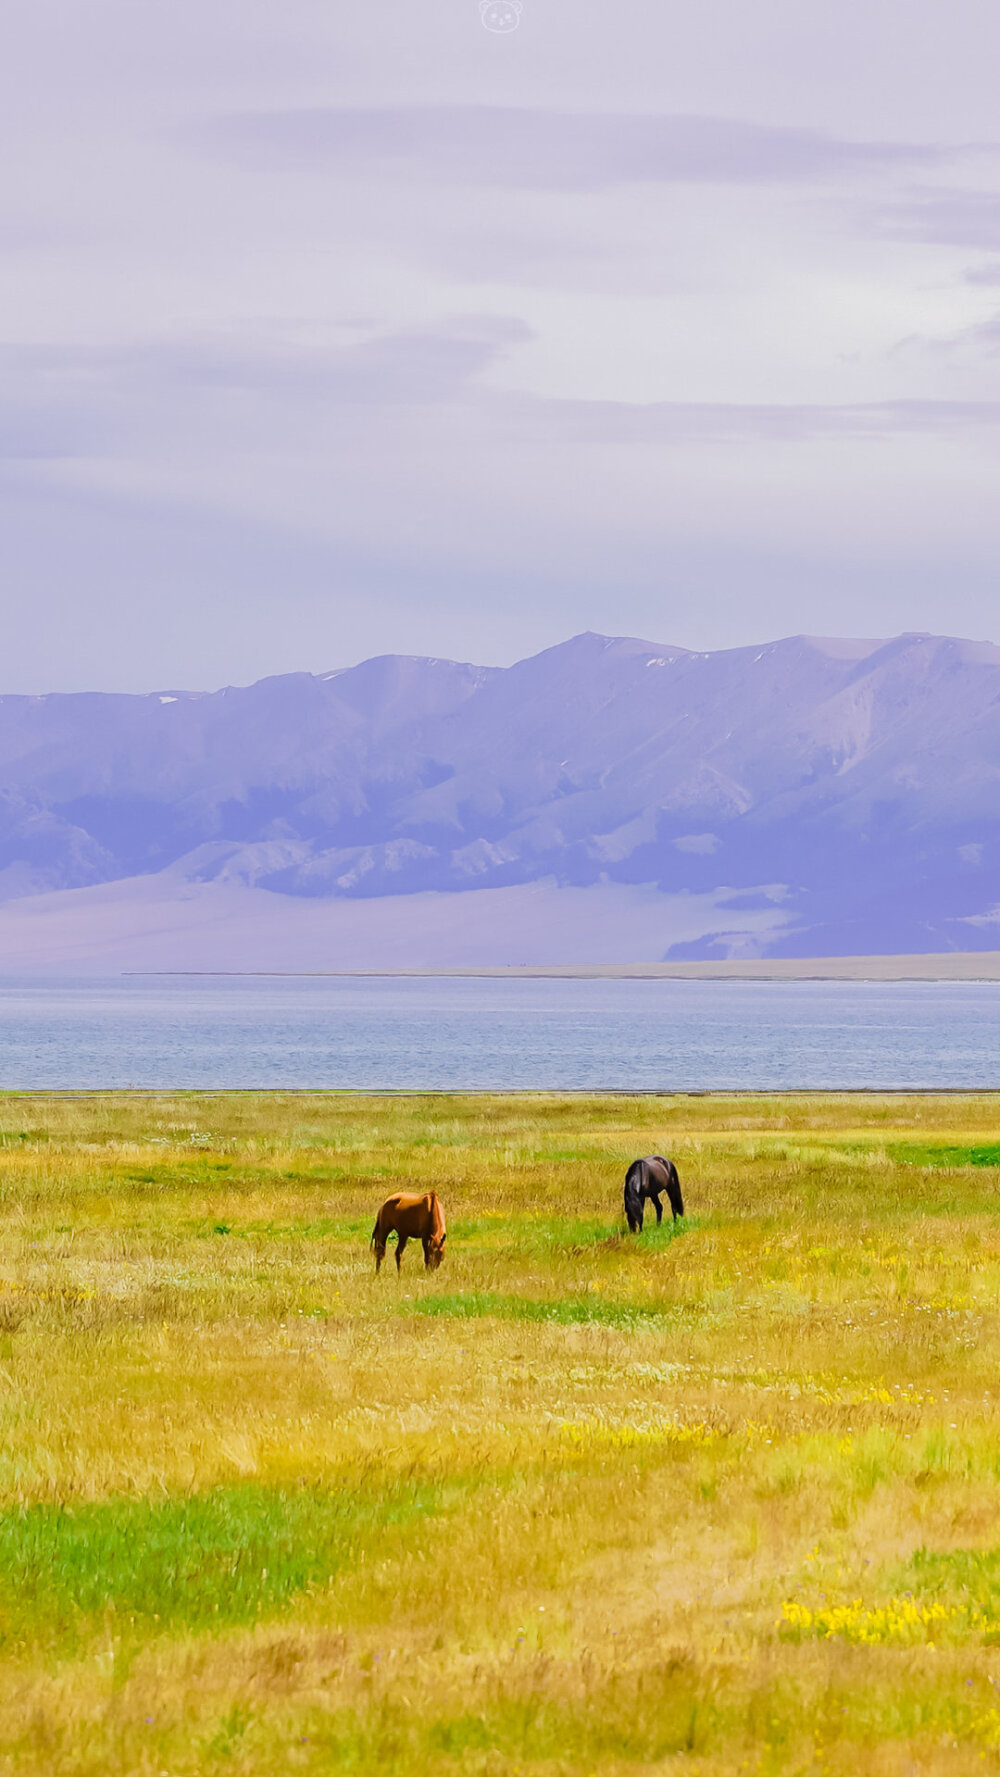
[[674, 1189], [371, 1242]]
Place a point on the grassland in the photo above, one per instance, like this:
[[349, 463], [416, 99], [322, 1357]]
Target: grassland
[[719, 1500]]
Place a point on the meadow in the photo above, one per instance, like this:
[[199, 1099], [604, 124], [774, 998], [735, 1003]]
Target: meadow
[[719, 1498]]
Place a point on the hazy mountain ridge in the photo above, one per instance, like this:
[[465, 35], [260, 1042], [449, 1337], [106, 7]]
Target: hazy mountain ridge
[[853, 785]]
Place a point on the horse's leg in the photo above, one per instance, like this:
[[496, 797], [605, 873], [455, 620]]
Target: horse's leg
[[659, 1208], [401, 1240], [426, 1243]]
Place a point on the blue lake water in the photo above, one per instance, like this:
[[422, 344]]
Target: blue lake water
[[670, 1036]]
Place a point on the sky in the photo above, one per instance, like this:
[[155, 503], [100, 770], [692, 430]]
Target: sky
[[333, 329]]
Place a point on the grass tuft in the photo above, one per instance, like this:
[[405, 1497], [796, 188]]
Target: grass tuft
[[209, 1561], [719, 1498]]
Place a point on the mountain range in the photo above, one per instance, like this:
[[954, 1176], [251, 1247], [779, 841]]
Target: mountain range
[[805, 797]]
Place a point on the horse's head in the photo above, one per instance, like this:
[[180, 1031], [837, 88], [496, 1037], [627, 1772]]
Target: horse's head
[[435, 1251]]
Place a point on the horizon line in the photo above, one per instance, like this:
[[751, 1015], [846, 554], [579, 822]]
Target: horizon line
[[872, 645]]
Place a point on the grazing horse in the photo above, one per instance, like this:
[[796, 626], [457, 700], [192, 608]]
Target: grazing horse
[[410, 1217], [645, 1179]]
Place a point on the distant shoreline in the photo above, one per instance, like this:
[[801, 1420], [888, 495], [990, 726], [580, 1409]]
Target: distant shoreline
[[983, 965]]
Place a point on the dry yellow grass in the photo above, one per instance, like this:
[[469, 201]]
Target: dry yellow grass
[[712, 1502]]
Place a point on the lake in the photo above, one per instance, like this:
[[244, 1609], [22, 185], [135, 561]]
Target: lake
[[496, 1035]]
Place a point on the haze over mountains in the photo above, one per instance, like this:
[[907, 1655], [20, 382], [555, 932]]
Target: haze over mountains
[[806, 797]]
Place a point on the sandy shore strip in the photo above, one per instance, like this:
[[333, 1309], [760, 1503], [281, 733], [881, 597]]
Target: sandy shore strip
[[980, 965]]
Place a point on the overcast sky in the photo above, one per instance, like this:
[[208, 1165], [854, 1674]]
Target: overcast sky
[[331, 329]]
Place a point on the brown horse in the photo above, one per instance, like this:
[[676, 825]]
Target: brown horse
[[411, 1217], [644, 1182]]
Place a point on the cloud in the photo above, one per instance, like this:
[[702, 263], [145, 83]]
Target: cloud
[[246, 412], [420, 365], [965, 347], [62, 402], [241, 397], [555, 150], [691, 423], [946, 218], [983, 339]]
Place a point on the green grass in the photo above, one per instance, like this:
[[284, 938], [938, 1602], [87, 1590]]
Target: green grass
[[207, 1561], [566, 1312], [967, 1575], [720, 1498], [954, 1157]]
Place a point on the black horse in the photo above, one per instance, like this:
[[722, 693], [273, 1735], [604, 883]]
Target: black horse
[[644, 1180]]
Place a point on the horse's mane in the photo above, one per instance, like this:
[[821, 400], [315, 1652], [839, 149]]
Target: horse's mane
[[437, 1217]]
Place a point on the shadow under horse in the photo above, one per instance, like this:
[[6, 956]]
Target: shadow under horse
[[645, 1180]]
